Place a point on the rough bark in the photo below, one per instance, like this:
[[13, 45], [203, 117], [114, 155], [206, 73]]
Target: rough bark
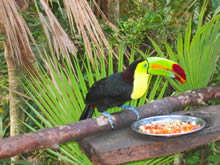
[[14, 77], [52, 137], [113, 12], [110, 9]]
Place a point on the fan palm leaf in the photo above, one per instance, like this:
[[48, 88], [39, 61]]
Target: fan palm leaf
[[197, 54], [60, 96]]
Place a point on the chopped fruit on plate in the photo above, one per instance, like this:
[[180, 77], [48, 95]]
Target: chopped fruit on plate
[[168, 127]]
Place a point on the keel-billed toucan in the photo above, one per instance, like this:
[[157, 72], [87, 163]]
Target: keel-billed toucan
[[120, 87]]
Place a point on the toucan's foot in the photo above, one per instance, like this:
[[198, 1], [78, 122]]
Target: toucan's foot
[[132, 109], [109, 118]]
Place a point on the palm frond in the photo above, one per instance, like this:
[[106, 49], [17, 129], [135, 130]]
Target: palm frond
[[58, 41], [18, 33], [164, 160], [60, 96], [197, 53], [81, 16]]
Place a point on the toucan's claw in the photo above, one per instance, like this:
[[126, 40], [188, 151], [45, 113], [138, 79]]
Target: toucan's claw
[[109, 118], [132, 109]]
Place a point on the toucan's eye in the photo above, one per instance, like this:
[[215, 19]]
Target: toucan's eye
[[145, 65]]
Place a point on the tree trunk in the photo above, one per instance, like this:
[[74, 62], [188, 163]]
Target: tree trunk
[[113, 13], [15, 101], [111, 10], [16, 60]]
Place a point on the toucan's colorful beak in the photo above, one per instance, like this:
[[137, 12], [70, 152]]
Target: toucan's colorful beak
[[164, 67]]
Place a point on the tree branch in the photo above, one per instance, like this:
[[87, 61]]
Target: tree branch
[[52, 137]]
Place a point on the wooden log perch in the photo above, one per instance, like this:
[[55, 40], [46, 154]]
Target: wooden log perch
[[52, 137], [125, 145]]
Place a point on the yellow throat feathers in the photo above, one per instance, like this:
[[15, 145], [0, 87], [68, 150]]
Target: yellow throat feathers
[[140, 80]]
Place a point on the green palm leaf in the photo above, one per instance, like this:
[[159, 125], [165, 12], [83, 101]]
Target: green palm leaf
[[197, 54], [60, 95]]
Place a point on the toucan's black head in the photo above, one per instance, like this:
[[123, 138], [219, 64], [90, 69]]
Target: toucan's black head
[[128, 74]]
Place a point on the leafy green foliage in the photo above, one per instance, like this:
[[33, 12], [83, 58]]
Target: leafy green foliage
[[214, 157], [6, 162], [4, 121], [197, 54], [159, 19], [143, 21], [194, 159], [158, 161], [216, 6], [208, 154]]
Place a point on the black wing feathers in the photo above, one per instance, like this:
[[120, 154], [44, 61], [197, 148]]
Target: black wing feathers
[[109, 92]]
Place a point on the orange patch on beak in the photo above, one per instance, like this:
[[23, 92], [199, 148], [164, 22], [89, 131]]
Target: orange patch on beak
[[182, 80], [159, 66]]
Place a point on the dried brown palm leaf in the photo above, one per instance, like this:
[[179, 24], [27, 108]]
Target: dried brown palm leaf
[[18, 33], [60, 45], [81, 16], [59, 42]]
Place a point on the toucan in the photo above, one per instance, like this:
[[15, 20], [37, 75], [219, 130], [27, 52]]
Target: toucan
[[132, 83]]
